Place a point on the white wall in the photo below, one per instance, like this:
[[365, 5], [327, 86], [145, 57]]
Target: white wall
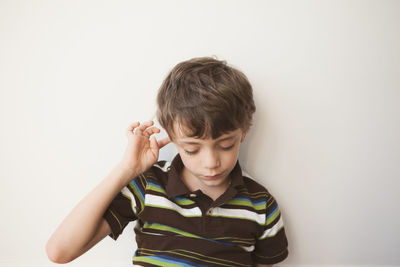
[[326, 77]]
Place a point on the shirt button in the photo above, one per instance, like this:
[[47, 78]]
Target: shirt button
[[192, 195], [209, 211]]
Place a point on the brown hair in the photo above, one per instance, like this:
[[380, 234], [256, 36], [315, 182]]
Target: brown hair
[[205, 96]]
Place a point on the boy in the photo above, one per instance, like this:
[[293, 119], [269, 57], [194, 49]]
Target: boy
[[198, 210]]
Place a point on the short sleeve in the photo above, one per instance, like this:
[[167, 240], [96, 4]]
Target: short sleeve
[[271, 245], [125, 206]]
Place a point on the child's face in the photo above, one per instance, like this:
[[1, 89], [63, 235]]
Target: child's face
[[208, 162]]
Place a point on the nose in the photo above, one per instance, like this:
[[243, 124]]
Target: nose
[[211, 160]]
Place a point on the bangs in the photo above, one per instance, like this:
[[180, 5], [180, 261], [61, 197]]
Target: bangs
[[197, 126]]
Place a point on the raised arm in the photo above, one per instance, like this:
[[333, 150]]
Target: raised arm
[[84, 226]]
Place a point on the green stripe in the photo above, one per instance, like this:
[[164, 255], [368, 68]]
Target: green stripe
[[116, 218], [166, 228], [273, 217], [270, 203], [238, 242], [169, 229], [184, 201], [235, 238], [247, 204], [156, 189], [137, 194], [270, 257], [202, 258], [275, 233], [155, 262]]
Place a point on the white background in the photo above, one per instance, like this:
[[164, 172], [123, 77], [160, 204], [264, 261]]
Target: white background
[[325, 140]]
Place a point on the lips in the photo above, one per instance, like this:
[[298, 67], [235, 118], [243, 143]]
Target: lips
[[213, 177]]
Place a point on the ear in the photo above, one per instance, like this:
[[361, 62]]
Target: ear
[[244, 133]]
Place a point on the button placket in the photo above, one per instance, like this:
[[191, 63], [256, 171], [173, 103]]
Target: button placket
[[209, 211]]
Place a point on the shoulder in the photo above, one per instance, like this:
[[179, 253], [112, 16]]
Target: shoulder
[[257, 191], [266, 201], [252, 186]]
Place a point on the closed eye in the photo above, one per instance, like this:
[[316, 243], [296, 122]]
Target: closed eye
[[228, 147], [191, 152]]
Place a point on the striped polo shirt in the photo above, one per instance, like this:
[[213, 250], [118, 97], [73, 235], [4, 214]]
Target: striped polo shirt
[[177, 227]]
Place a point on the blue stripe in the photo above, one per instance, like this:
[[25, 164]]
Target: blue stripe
[[180, 198], [134, 182], [259, 202], [154, 184], [273, 211], [172, 260], [253, 202]]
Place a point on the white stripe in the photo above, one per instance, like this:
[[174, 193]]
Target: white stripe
[[166, 166], [248, 249], [239, 214], [162, 202], [127, 193], [149, 233], [273, 230]]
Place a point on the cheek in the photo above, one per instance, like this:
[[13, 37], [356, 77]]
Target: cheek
[[188, 161], [231, 158]]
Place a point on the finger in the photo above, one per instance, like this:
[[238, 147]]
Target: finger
[[163, 142], [131, 128], [150, 131], [144, 126]]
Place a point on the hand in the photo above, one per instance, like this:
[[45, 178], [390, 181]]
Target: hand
[[142, 152]]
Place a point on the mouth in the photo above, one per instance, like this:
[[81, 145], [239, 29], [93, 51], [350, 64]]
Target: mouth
[[213, 177]]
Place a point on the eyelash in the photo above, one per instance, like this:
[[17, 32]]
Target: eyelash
[[228, 148], [190, 152], [223, 148]]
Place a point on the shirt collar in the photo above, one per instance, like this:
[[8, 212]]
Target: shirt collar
[[176, 187]]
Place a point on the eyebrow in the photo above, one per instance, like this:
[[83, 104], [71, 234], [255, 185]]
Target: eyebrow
[[197, 143]]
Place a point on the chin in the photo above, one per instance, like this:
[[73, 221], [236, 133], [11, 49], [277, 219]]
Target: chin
[[215, 183]]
